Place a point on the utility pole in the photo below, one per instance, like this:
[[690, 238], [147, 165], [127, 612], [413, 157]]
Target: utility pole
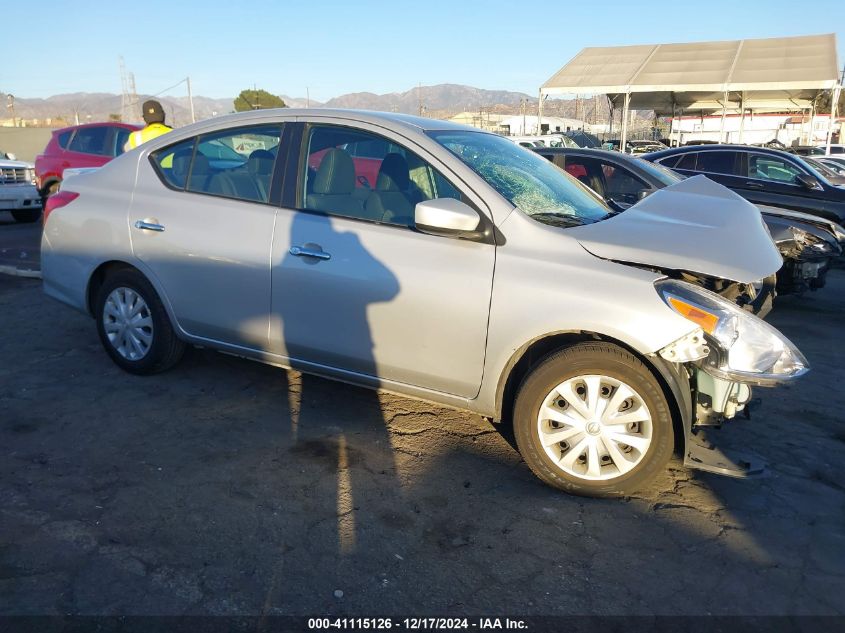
[[10, 104], [419, 98], [191, 100], [522, 105], [307, 98]]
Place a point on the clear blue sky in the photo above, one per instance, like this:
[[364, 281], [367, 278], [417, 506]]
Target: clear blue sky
[[334, 47]]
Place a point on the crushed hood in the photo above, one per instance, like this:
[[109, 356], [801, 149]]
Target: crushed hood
[[695, 225]]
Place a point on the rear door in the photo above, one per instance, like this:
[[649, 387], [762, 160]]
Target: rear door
[[201, 223], [355, 287]]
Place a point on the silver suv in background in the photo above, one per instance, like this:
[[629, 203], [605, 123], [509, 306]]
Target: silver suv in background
[[18, 193], [436, 261]]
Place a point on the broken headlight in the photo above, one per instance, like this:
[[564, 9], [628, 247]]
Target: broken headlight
[[743, 348], [811, 244]]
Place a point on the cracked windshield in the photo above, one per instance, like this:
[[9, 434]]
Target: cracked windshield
[[527, 180]]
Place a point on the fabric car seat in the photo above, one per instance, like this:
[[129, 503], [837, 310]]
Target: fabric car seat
[[260, 167], [334, 184], [390, 202]]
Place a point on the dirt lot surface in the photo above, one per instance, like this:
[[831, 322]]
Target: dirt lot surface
[[228, 487], [20, 245]]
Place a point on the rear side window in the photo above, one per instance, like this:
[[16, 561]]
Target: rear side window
[[716, 162], [236, 163], [92, 140], [687, 162], [63, 139], [173, 163]]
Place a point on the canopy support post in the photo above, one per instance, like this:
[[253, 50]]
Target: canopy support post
[[834, 101], [722, 125], [625, 107], [741, 116], [540, 112]]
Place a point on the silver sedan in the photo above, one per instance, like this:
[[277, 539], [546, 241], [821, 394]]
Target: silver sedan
[[435, 261]]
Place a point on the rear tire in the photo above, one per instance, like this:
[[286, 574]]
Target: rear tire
[[593, 420], [133, 325], [26, 216]]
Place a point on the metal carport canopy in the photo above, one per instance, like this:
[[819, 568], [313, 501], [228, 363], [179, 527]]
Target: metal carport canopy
[[783, 72]]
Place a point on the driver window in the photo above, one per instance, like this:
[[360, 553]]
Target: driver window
[[772, 168], [621, 186], [359, 175]]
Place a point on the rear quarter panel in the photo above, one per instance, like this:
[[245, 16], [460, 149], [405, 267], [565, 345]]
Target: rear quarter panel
[[89, 231]]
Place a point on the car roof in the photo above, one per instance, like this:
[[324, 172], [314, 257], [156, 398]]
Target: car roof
[[363, 116], [689, 149], [590, 151], [82, 126]]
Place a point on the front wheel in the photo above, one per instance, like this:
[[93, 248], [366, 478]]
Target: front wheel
[[593, 420], [133, 325]]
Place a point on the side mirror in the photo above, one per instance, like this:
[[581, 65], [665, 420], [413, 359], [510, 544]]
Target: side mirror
[[447, 217], [11, 156], [809, 182]]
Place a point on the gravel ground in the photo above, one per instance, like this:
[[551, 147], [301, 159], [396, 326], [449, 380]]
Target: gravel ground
[[228, 487]]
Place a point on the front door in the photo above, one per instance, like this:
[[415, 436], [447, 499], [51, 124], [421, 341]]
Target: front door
[[357, 288]]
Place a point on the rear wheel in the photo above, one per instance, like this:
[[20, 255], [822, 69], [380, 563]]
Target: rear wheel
[[133, 325], [592, 420], [26, 215]]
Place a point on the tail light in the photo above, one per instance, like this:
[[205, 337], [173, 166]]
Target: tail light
[[58, 200]]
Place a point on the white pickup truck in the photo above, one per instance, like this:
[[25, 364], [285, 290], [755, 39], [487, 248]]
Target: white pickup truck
[[18, 193]]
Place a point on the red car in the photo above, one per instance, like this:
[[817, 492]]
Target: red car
[[89, 145]]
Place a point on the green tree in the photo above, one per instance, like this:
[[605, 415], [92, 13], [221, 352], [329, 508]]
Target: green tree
[[257, 100]]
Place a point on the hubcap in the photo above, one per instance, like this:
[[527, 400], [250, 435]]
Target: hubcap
[[595, 427], [128, 323]]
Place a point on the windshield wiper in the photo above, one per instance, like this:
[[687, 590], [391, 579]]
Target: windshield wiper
[[558, 219]]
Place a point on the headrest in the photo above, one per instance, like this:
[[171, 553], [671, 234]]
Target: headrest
[[201, 164], [393, 173], [336, 174], [260, 162]]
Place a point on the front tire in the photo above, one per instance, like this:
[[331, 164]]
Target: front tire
[[133, 325], [593, 420]]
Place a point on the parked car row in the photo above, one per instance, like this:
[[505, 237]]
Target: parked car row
[[760, 175], [603, 326]]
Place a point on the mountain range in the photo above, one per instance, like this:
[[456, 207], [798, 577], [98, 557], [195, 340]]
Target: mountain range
[[438, 101]]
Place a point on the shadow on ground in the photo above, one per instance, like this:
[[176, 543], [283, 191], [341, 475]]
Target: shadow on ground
[[228, 487]]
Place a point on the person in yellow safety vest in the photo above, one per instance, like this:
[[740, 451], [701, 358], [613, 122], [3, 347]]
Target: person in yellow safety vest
[[154, 118]]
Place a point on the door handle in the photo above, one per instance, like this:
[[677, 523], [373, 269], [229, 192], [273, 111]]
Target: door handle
[[755, 185], [149, 226], [303, 251]]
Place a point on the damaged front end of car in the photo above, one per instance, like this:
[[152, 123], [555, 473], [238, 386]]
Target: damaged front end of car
[[730, 352], [807, 258]]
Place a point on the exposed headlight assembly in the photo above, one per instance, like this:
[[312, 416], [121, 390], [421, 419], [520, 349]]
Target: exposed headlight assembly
[[810, 243], [743, 347]]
